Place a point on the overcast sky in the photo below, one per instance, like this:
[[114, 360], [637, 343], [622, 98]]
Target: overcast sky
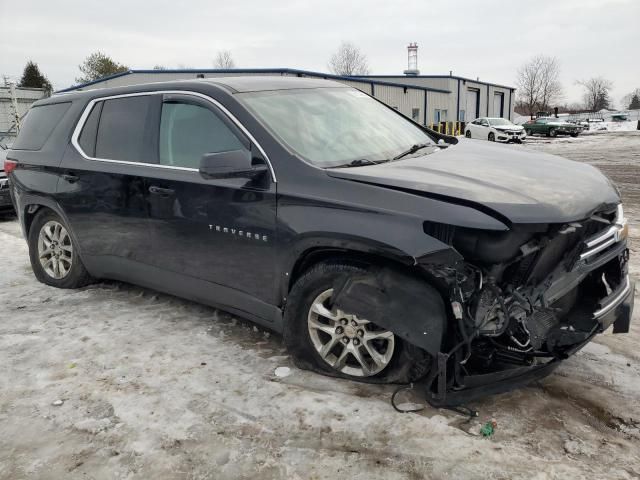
[[489, 39]]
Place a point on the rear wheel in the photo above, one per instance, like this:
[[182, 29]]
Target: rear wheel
[[323, 338], [53, 254], [468, 134], [492, 137], [574, 134], [528, 132]]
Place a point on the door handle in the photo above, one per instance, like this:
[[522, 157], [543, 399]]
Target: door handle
[[70, 178], [161, 191]]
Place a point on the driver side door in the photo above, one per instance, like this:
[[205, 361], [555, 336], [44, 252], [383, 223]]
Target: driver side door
[[219, 231]]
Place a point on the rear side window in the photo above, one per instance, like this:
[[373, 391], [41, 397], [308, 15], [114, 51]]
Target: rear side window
[[89, 133], [39, 124], [122, 130]]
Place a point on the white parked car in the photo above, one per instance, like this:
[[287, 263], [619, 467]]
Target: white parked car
[[495, 130]]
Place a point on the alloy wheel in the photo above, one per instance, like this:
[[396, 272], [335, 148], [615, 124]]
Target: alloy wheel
[[55, 250], [349, 344]]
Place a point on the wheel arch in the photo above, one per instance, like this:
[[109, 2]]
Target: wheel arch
[[31, 205], [314, 255]]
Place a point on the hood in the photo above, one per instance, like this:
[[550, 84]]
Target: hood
[[561, 122], [517, 184], [509, 127]]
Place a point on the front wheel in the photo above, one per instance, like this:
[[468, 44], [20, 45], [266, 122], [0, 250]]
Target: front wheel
[[323, 338], [492, 137], [53, 254], [553, 132], [575, 134]]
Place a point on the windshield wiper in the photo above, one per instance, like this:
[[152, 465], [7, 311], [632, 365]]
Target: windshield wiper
[[413, 149], [360, 162]]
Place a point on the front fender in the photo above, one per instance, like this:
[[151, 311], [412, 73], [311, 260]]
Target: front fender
[[397, 238]]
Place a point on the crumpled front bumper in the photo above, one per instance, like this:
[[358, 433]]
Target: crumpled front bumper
[[616, 309]]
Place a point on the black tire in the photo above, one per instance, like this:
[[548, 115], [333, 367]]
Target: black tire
[[528, 132], [408, 363], [468, 134], [492, 137], [553, 132], [77, 275], [574, 135]]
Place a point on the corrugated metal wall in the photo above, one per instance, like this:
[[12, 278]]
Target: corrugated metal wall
[[403, 101]]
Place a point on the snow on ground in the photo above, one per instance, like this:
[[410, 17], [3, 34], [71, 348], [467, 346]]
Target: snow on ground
[[598, 127], [152, 386]]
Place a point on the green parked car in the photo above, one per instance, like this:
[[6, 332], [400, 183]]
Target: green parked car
[[552, 127]]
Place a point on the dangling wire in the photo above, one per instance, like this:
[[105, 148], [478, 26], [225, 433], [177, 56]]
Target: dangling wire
[[401, 410]]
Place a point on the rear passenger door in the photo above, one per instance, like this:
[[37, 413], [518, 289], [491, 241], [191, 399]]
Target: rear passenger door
[[221, 231], [102, 187]]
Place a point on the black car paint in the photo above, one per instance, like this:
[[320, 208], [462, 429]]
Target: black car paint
[[178, 232], [125, 232]]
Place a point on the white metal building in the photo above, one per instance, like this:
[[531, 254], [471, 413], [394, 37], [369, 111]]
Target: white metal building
[[469, 98]]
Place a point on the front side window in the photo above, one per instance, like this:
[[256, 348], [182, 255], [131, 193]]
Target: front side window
[[188, 131], [123, 132], [334, 126]]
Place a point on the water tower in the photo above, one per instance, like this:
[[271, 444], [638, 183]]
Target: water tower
[[412, 60]]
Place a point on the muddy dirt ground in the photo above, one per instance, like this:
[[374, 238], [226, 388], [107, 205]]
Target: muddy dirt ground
[[114, 381]]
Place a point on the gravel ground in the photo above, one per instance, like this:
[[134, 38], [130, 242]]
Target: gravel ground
[[114, 381]]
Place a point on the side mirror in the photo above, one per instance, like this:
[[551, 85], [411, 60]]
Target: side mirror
[[231, 164]]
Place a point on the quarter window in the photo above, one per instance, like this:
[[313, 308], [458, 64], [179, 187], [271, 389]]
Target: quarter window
[[39, 124], [87, 139], [188, 131], [123, 133]]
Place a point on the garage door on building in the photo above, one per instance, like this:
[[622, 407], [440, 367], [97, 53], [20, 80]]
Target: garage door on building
[[473, 104], [498, 104]]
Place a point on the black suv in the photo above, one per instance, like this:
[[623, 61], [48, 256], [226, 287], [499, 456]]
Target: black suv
[[380, 249]]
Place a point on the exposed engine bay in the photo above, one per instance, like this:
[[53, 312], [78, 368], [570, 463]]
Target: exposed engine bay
[[519, 301], [528, 297]]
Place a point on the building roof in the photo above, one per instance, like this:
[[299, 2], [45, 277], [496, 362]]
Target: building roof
[[281, 71]]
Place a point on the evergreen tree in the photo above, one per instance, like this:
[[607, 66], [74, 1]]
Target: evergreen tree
[[33, 78], [635, 102]]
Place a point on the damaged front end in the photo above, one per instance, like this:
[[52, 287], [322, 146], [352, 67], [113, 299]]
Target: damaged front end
[[516, 303]]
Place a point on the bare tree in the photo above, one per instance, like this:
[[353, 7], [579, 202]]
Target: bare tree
[[538, 82], [348, 60], [224, 60], [597, 93]]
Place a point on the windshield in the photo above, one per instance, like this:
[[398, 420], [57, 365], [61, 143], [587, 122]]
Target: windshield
[[334, 126], [497, 122]]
